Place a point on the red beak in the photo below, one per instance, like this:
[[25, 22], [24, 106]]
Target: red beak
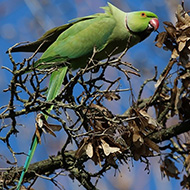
[[154, 23]]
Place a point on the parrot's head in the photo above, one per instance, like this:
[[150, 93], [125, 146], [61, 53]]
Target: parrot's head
[[142, 22]]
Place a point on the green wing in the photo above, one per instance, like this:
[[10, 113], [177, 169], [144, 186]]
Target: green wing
[[79, 40], [48, 37]]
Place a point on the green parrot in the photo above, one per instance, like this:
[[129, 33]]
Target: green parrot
[[74, 43]]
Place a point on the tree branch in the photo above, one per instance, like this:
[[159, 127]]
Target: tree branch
[[67, 161]]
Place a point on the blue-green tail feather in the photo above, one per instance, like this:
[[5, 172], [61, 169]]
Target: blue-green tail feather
[[55, 83], [28, 160]]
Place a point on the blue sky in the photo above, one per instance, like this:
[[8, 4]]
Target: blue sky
[[25, 20]]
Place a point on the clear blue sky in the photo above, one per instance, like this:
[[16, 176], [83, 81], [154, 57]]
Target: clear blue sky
[[27, 20]]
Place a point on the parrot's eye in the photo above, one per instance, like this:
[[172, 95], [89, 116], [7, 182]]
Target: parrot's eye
[[143, 14]]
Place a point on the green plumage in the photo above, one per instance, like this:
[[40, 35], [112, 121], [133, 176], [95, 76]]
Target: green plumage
[[74, 43]]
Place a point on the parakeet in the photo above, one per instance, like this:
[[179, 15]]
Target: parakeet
[[110, 32]]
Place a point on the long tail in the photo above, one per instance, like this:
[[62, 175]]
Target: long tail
[[55, 83], [28, 160]]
